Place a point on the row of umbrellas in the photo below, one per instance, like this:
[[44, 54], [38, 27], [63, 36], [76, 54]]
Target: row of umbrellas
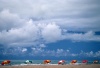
[[62, 62], [72, 62]]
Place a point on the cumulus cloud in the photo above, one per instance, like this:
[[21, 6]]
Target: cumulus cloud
[[88, 36], [9, 20], [51, 33], [33, 34], [30, 22], [70, 14], [30, 34], [24, 50], [42, 46], [20, 36]]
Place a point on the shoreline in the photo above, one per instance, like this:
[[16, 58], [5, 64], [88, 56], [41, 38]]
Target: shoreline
[[55, 66]]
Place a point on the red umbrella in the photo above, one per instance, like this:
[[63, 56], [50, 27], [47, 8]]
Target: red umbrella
[[61, 62], [2, 63], [85, 61]]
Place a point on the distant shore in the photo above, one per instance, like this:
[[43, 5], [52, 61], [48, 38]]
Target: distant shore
[[55, 66]]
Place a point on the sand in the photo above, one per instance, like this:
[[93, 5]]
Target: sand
[[54, 66]]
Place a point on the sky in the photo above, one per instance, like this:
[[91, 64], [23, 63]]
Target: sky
[[50, 29]]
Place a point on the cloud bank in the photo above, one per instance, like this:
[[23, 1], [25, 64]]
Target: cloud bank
[[39, 51], [33, 34], [29, 23]]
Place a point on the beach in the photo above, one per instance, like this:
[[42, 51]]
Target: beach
[[54, 66]]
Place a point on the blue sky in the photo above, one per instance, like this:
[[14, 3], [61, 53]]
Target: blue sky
[[45, 29]]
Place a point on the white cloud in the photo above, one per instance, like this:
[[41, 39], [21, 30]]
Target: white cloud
[[29, 22], [51, 33], [13, 51], [60, 51], [9, 20], [97, 54], [42, 46], [24, 50], [70, 14], [74, 54], [89, 54], [36, 51], [67, 50], [33, 34], [88, 36]]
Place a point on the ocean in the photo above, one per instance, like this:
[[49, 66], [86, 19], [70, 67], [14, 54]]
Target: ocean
[[19, 62]]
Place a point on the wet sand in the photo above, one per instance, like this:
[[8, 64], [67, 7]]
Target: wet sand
[[54, 66]]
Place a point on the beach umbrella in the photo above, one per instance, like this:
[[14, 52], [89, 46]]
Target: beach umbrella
[[61, 62], [47, 61], [2, 63], [73, 61], [28, 61], [85, 61], [5, 62], [96, 61]]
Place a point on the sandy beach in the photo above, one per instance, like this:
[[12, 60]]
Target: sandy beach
[[55, 66]]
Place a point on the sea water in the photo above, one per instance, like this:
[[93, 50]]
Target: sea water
[[37, 62]]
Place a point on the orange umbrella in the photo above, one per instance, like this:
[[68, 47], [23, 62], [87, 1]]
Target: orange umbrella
[[73, 61], [47, 61], [5, 62], [61, 62]]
